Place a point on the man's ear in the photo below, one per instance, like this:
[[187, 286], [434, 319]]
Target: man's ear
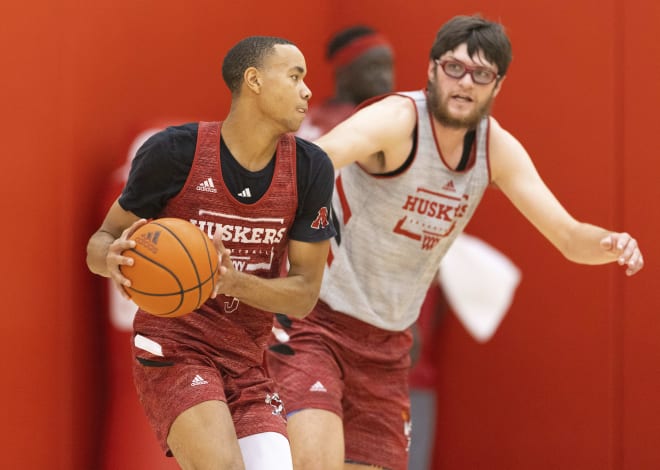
[[430, 73], [252, 79], [498, 86]]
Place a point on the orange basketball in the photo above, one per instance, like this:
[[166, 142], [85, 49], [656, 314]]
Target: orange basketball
[[174, 270]]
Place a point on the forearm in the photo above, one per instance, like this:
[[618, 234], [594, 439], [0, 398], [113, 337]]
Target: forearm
[[97, 251], [583, 245], [294, 295]]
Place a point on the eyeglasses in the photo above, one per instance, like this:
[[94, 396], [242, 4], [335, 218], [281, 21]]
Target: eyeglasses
[[457, 70]]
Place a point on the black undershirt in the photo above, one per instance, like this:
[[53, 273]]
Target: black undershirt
[[162, 164]]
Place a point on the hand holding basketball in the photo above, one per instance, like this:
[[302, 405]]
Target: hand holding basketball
[[174, 270], [228, 278]]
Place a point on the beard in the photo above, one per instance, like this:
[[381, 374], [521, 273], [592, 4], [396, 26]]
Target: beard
[[440, 109]]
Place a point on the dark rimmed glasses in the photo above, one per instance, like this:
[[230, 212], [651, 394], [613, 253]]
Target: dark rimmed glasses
[[457, 70]]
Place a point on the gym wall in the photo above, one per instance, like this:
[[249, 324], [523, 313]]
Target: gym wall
[[569, 380]]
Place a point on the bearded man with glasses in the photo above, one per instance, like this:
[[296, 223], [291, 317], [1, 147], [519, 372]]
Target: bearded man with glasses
[[412, 169]]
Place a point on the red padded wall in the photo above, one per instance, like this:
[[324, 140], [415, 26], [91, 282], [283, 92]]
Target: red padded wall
[[638, 72], [570, 379]]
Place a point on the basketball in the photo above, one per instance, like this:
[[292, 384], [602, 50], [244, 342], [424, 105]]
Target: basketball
[[174, 270]]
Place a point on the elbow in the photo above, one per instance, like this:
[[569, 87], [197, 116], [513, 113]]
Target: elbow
[[305, 306], [90, 260]]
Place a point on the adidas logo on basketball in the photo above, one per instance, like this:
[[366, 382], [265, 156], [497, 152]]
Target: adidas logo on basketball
[[207, 186], [149, 240]]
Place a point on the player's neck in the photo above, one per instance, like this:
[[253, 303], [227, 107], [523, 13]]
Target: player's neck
[[449, 135], [450, 141], [252, 145]]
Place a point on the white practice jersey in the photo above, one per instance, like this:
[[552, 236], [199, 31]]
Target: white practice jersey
[[394, 230]]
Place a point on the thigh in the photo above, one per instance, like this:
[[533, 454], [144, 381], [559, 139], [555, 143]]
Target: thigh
[[167, 387], [309, 376], [310, 382], [317, 440], [203, 436], [377, 424], [254, 403]]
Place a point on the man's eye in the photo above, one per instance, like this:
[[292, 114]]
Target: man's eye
[[455, 67]]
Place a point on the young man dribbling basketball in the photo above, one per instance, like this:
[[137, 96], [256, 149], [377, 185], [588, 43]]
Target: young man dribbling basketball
[[413, 168], [200, 377]]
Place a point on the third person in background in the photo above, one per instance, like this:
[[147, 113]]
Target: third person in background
[[363, 65]]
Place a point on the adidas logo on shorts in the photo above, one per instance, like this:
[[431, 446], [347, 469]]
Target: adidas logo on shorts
[[198, 380], [317, 387]]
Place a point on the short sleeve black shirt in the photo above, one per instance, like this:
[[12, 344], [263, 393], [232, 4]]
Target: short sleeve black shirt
[[161, 166]]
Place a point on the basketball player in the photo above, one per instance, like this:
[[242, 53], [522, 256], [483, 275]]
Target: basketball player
[[412, 169], [200, 377], [363, 66]]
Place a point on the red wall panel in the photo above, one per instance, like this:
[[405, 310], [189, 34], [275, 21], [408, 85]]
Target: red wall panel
[[569, 381], [637, 67]]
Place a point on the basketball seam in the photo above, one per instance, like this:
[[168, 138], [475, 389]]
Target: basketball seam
[[192, 260], [185, 295], [181, 292]]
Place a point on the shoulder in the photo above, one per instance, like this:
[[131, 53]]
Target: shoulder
[[392, 103], [506, 154], [180, 134], [382, 116], [311, 158], [170, 138], [387, 116], [174, 139], [500, 140], [174, 145]]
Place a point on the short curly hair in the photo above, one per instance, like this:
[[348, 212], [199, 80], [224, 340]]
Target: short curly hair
[[249, 52]]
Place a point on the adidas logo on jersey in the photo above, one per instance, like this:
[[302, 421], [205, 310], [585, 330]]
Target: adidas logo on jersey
[[198, 380], [317, 387], [207, 186], [245, 193], [449, 187]]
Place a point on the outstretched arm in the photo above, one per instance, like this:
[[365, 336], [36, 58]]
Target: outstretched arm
[[514, 173], [378, 136]]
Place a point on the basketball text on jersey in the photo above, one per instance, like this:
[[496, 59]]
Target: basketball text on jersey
[[251, 240], [429, 215], [241, 234]]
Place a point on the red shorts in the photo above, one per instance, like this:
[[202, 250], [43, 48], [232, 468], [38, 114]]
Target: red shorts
[[170, 384], [356, 371]]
